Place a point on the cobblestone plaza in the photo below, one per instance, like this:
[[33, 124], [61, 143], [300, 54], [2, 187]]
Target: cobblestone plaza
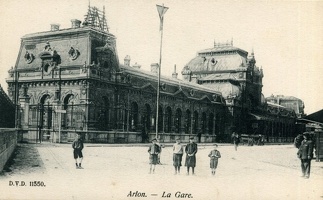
[[112, 172]]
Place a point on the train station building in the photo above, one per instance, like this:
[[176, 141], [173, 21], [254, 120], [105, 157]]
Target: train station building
[[69, 81]]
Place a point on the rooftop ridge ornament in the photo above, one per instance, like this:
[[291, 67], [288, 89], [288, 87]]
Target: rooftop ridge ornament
[[96, 18], [223, 44]]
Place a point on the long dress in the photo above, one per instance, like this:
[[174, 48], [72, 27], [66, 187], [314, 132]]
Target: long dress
[[190, 148]]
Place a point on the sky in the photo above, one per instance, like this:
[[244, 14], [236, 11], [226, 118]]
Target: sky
[[286, 36]]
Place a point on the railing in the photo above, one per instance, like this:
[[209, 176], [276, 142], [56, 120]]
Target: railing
[[319, 146]]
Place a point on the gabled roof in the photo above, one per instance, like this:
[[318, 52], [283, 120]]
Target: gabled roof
[[168, 80], [317, 116]]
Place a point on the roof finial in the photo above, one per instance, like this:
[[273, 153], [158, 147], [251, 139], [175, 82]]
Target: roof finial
[[252, 52], [231, 41], [214, 44], [174, 74]]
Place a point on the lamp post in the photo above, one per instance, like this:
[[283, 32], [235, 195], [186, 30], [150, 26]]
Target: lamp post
[[161, 11]]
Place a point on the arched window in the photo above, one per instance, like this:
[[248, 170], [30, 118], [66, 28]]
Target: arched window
[[160, 119], [217, 124], [188, 122], [68, 118], [133, 118], [147, 118], [104, 114], [195, 122], [168, 120], [45, 110], [178, 119], [203, 123], [211, 123]]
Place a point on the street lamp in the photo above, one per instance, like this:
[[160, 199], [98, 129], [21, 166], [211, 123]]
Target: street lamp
[[161, 11]]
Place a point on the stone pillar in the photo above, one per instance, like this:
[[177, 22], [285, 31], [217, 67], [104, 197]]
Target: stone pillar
[[24, 109]]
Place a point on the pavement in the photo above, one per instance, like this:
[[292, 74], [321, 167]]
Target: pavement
[[47, 171]]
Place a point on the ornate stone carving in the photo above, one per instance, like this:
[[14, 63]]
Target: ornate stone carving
[[29, 57], [163, 86], [192, 92], [73, 53], [11, 72]]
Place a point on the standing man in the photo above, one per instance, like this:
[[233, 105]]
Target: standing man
[[298, 140], [153, 151], [190, 150], [78, 155], [236, 140], [177, 155], [305, 153]]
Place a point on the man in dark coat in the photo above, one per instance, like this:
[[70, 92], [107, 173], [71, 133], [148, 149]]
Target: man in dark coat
[[153, 151], [235, 140], [298, 140], [77, 151], [190, 150], [305, 153]]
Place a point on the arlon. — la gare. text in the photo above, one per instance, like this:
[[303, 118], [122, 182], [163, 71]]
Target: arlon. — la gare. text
[[164, 194]]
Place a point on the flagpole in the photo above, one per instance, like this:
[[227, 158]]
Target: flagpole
[[161, 16]]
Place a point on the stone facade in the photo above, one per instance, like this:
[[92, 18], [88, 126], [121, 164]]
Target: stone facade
[[70, 80], [234, 73]]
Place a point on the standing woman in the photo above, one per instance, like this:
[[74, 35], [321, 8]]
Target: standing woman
[[190, 150]]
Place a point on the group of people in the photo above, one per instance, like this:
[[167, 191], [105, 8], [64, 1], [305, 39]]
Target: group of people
[[303, 142], [154, 155], [178, 150]]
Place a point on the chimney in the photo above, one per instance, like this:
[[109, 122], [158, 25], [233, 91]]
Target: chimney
[[174, 74], [54, 27], [154, 68], [76, 23], [136, 65], [127, 61]]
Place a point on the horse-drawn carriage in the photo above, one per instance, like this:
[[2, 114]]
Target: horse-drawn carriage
[[251, 140]]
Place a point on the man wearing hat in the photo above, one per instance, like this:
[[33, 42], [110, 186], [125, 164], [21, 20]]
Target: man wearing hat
[[190, 150], [305, 153], [153, 151], [177, 155]]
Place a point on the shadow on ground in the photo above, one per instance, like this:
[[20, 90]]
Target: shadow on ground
[[24, 160]]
